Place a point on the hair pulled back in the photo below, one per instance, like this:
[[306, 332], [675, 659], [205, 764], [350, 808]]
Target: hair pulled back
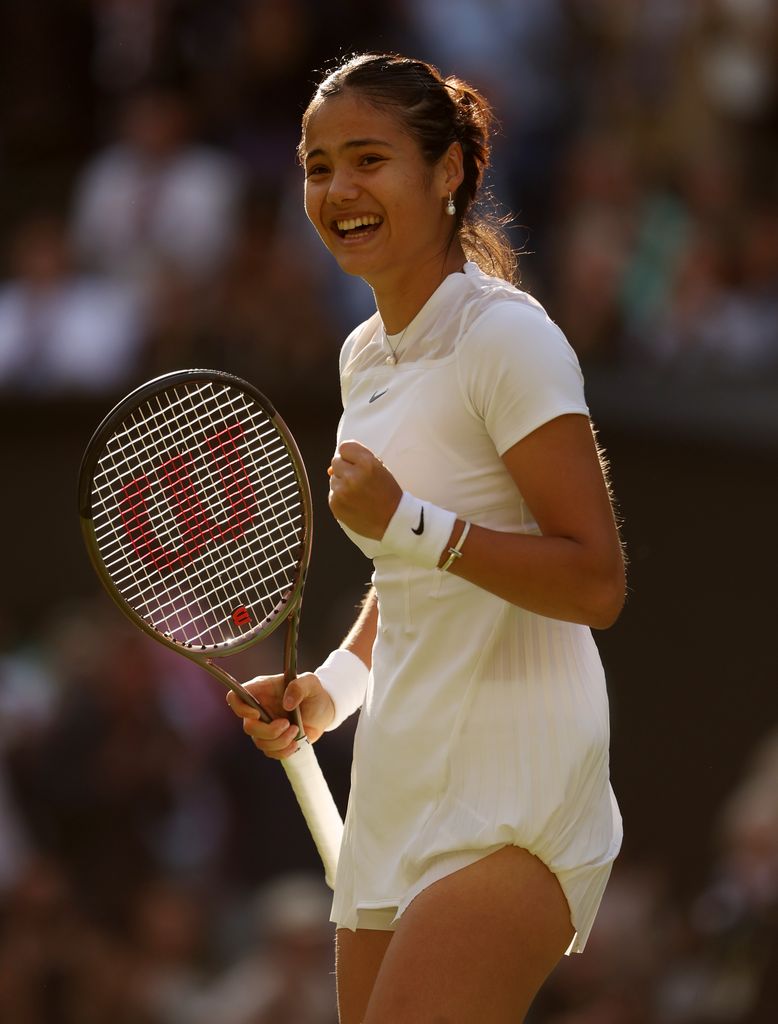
[[436, 112]]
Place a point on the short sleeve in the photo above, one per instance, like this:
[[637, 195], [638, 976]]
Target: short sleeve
[[518, 371], [350, 349], [345, 351], [345, 355]]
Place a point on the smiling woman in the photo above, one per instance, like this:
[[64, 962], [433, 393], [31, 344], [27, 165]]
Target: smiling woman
[[369, 200], [481, 825]]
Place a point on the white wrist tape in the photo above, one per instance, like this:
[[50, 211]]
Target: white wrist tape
[[418, 531], [344, 676]]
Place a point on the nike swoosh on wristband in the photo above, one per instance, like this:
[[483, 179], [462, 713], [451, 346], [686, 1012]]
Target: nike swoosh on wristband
[[419, 530], [377, 394]]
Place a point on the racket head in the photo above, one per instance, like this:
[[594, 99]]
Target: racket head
[[196, 512]]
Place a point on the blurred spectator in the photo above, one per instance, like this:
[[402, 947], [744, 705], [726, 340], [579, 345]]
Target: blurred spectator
[[62, 331], [284, 974], [595, 215], [112, 788], [737, 58], [614, 981], [728, 971], [168, 936], [14, 842], [126, 35], [719, 314], [55, 966], [27, 702], [156, 196], [233, 323], [272, 47], [521, 56], [638, 147]]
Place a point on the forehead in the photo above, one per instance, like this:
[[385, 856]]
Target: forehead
[[343, 118]]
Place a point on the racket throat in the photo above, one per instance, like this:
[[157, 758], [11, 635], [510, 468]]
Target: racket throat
[[232, 684], [290, 664]]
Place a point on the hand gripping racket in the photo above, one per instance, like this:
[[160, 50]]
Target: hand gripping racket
[[196, 512]]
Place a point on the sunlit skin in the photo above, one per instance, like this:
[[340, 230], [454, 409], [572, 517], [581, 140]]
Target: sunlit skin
[[476, 944], [359, 161]]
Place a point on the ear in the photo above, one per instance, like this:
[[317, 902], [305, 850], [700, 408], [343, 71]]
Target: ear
[[451, 169]]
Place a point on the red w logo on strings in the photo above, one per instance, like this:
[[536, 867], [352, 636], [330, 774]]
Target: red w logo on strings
[[198, 528]]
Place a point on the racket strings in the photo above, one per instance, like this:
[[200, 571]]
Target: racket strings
[[199, 516], [231, 575]]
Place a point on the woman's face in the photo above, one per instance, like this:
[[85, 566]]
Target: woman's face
[[375, 202]]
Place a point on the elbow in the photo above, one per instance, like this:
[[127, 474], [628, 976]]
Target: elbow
[[607, 602]]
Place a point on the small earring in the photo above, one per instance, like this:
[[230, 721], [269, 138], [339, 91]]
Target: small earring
[[450, 208]]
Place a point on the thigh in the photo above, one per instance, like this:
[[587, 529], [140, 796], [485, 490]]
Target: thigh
[[358, 958], [474, 946]]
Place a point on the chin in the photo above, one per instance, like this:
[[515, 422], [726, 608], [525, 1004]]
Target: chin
[[350, 263]]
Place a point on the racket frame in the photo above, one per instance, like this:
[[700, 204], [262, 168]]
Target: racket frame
[[301, 767], [290, 613]]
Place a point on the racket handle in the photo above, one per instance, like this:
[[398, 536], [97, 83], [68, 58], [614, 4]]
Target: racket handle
[[318, 807]]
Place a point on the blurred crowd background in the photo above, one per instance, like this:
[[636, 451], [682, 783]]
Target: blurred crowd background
[[153, 867]]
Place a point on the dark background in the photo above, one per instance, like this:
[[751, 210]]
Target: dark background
[[154, 867]]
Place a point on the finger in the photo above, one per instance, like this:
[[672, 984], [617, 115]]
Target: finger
[[343, 482], [353, 452], [271, 737], [240, 707], [295, 694], [279, 755], [336, 469], [280, 752], [341, 467]]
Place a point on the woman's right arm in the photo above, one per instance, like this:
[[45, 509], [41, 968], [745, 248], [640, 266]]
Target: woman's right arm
[[278, 738], [362, 634]]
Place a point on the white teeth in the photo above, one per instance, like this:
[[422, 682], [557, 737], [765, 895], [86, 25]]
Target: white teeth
[[358, 222]]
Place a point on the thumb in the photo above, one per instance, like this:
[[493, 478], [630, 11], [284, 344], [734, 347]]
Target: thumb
[[294, 695]]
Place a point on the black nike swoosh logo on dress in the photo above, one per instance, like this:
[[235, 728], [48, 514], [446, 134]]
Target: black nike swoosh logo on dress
[[419, 530], [377, 394]]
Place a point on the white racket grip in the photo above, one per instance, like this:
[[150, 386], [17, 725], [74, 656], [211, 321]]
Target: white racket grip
[[318, 807]]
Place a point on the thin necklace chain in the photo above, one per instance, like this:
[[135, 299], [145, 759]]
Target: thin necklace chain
[[393, 359]]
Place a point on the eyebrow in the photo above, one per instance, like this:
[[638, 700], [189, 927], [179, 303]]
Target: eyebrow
[[352, 144]]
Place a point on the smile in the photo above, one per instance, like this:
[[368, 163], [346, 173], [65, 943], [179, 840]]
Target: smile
[[354, 227]]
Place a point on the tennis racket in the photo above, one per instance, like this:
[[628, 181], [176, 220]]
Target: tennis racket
[[196, 512]]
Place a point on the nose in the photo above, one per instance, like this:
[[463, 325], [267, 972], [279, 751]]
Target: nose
[[343, 187]]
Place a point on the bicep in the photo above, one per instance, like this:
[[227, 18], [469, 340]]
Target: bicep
[[558, 472]]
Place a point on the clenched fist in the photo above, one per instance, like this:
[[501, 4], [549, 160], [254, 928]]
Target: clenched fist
[[363, 493]]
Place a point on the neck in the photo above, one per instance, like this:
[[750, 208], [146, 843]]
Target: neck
[[400, 297]]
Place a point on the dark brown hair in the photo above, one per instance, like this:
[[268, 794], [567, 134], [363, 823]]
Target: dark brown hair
[[435, 111]]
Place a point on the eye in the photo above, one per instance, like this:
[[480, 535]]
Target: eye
[[316, 170], [370, 158]]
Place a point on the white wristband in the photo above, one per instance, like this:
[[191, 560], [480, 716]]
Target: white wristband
[[344, 676], [419, 531]]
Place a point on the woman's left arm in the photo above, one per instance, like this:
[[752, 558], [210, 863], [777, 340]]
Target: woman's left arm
[[575, 570]]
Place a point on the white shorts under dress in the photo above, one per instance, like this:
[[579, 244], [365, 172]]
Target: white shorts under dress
[[483, 724]]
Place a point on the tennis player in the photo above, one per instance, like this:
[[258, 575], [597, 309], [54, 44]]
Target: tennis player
[[481, 825]]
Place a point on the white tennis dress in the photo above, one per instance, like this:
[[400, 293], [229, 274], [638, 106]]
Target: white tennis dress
[[483, 724]]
